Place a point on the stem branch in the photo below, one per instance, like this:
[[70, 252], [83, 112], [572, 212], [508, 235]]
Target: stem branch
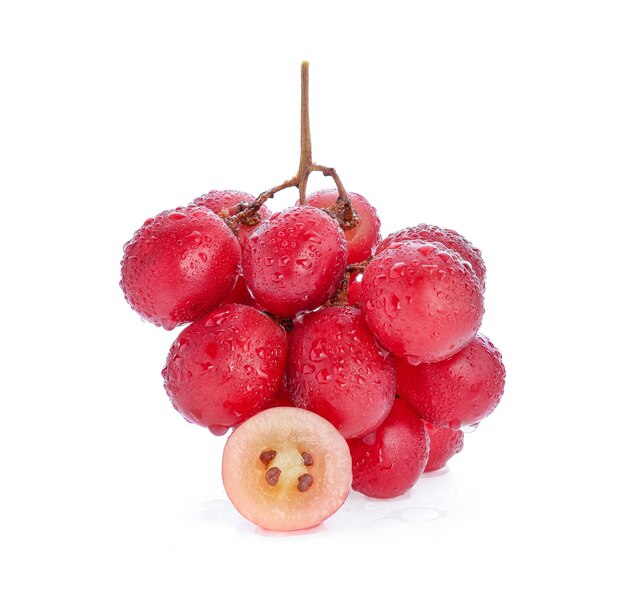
[[342, 210]]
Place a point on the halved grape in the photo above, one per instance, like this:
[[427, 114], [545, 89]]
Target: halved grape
[[286, 469]]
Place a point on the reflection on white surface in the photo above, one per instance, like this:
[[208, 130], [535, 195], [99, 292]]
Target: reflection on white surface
[[424, 504]]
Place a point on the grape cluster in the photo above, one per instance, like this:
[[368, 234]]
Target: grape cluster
[[279, 331], [309, 308]]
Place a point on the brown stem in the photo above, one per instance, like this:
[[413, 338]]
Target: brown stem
[[306, 150], [342, 210], [359, 267]]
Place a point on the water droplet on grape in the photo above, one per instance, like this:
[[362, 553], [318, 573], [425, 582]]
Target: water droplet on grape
[[304, 263], [307, 369], [324, 376], [397, 270], [469, 428]]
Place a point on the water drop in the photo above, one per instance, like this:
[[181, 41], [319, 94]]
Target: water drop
[[469, 428], [397, 271]]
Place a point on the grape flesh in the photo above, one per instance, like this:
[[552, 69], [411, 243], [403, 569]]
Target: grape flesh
[[421, 302], [295, 260], [336, 369], [226, 366], [449, 238], [179, 265], [388, 462], [226, 203], [266, 460], [459, 391], [444, 443], [363, 238]]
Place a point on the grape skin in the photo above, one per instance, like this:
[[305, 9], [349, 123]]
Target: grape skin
[[421, 301], [295, 260], [226, 202], [365, 236], [336, 369], [226, 366], [179, 265], [449, 238], [444, 443], [459, 391], [388, 462]]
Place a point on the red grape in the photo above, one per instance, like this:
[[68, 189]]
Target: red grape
[[444, 443], [226, 366], [449, 238], [388, 462], [363, 238], [421, 301], [336, 369], [239, 294], [179, 265], [286, 469], [354, 292], [229, 202], [459, 391], [295, 260]]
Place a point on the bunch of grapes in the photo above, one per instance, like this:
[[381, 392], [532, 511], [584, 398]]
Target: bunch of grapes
[[340, 359]]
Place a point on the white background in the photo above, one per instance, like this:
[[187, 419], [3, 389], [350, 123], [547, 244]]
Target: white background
[[503, 120]]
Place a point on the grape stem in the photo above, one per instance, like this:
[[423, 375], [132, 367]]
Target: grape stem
[[342, 210], [340, 297]]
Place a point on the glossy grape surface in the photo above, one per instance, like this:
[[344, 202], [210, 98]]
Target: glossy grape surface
[[227, 203], [295, 260], [363, 238], [449, 238], [456, 392], [336, 369], [226, 366], [179, 265], [388, 462], [421, 301], [444, 443]]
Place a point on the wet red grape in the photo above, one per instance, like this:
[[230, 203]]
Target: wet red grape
[[239, 294], [229, 202], [226, 366], [363, 238], [388, 462], [354, 292], [336, 369], [421, 301], [449, 238], [295, 260], [444, 443], [179, 265], [456, 392]]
